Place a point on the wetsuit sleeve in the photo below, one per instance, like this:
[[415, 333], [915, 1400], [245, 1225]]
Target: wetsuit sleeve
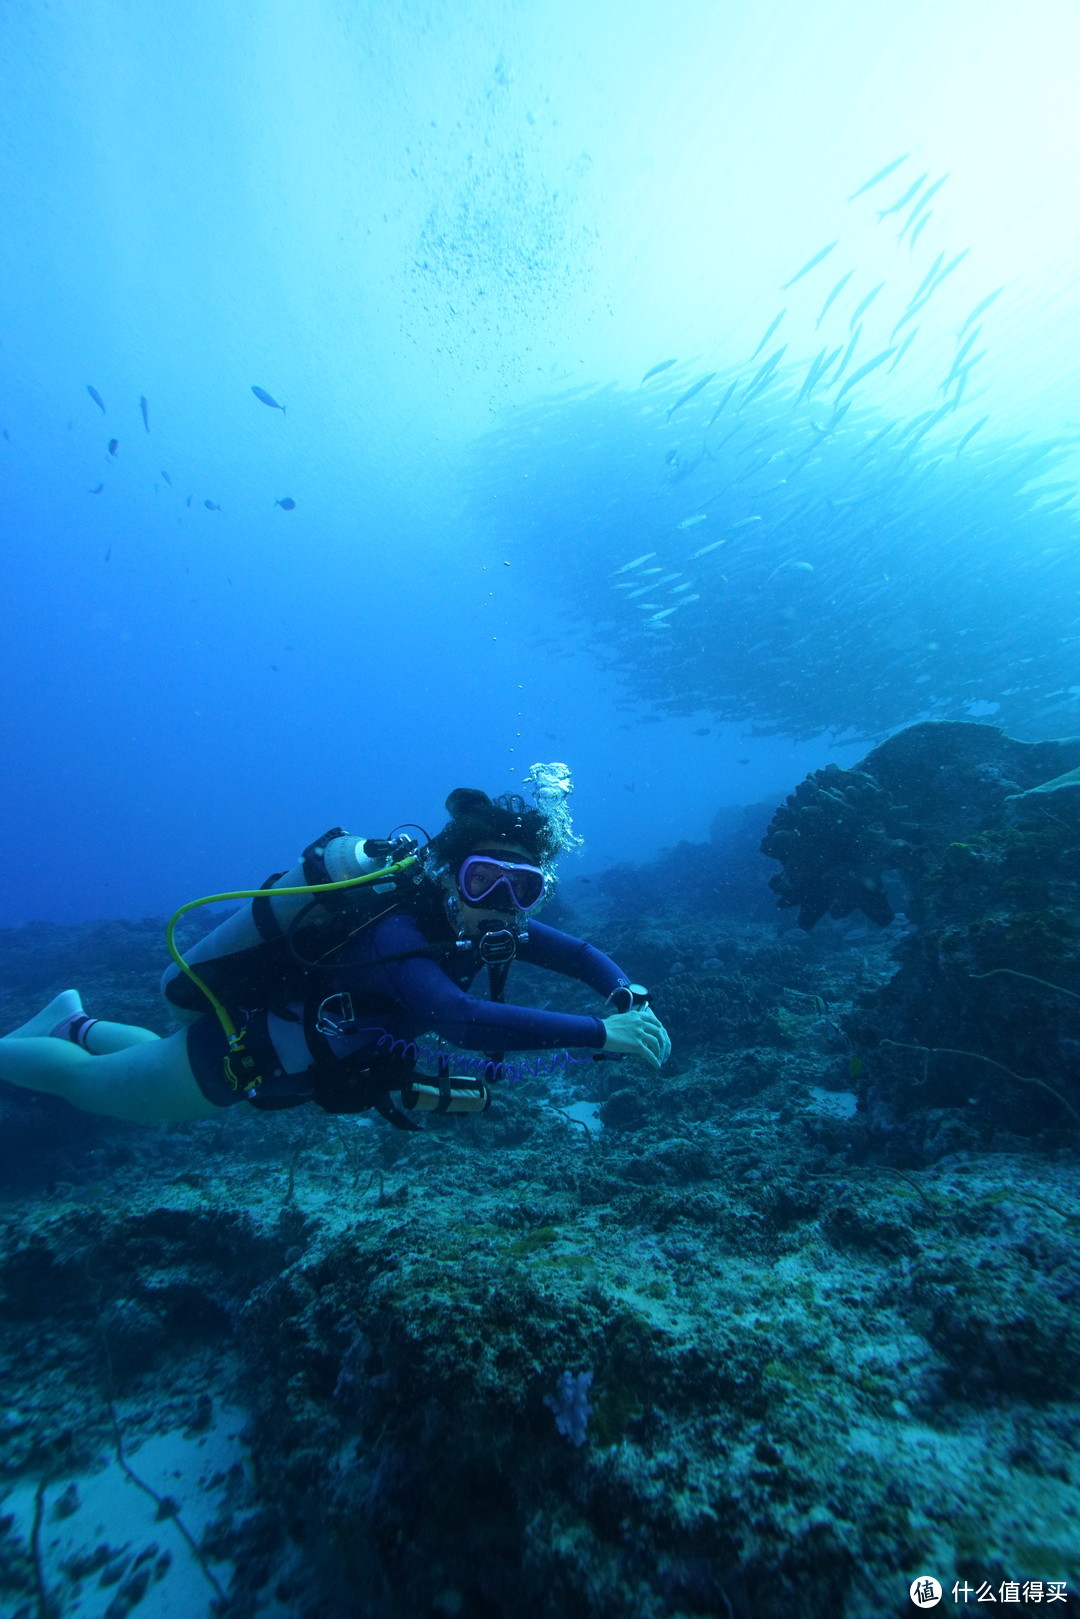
[[433, 1001], [562, 953]]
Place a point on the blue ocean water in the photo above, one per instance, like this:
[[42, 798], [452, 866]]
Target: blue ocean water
[[451, 240], [395, 395]]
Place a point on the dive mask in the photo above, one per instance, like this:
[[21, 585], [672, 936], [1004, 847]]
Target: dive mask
[[482, 875]]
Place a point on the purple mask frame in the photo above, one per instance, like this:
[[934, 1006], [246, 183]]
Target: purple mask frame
[[505, 870]]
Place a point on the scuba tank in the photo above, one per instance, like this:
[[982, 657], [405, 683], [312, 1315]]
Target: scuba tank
[[264, 952]]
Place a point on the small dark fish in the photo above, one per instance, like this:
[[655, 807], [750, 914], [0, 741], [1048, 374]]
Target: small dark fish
[[108, 554], [97, 490], [742, 761], [275, 668], [7, 435], [267, 399], [665, 365], [287, 503], [882, 174], [168, 480], [209, 504], [768, 334], [684, 399], [188, 502], [145, 408], [703, 730], [979, 309], [96, 397], [810, 265], [834, 294], [114, 445]]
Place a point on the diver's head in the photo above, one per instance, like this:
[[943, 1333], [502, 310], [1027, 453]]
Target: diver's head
[[491, 859]]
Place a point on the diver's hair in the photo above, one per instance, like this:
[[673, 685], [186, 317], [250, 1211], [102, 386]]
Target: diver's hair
[[479, 822]]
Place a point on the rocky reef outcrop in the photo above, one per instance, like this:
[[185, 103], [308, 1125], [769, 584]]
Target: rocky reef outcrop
[[973, 1041]]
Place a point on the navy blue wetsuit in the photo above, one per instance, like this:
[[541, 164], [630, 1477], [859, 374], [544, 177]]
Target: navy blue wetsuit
[[405, 998]]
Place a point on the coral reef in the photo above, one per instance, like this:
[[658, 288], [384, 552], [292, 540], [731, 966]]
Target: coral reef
[[837, 835], [825, 1285], [842, 831], [972, 1042]]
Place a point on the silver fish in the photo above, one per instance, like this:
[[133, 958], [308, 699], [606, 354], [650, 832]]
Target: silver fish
[[930, 191], [719, 409], [848, 352], [902, 202], [919, 228], [970, 434], [864, 371], [902, 350], [831, 299], [768, 334], [762, 376], [627, 566], [865, 305], [979, 309], [684, 399], [882, 174], [810, 264], [927, 278]]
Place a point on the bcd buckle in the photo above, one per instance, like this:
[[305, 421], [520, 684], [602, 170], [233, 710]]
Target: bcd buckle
[[336, 1015]]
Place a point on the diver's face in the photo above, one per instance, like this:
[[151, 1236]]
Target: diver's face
[[472, 920]]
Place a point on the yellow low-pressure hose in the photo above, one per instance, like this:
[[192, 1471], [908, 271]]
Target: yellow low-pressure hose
[[266, 893]]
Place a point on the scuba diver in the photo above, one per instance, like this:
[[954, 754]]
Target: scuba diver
[[325, 987]]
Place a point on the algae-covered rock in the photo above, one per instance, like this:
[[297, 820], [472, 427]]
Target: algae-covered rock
[[973, 1041], [842, 831]]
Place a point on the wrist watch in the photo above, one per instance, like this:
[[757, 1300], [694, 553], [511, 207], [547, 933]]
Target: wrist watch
[[629, 998]]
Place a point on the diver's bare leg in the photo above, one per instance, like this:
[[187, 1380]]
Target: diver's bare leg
[[146, 1083]]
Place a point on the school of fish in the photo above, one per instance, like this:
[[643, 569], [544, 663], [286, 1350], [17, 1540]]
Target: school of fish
[[801, 559]]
